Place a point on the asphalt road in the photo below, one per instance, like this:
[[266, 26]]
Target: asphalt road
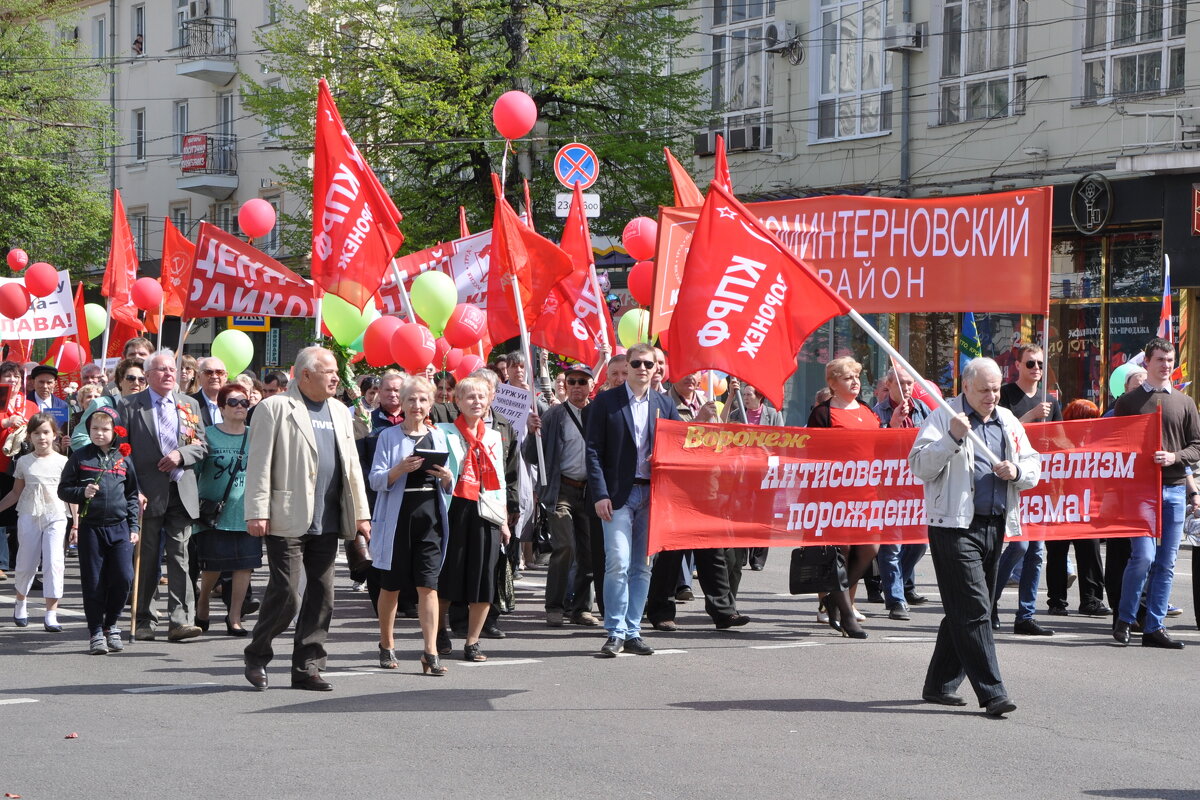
[[780, 708]]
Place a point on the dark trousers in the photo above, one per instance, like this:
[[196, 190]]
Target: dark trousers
[[736, 559], [105, 573], [714, 582], [1116, 558], [966, 561], [758, 557], [570, 523], [175, 527], [288, 557], [1087, 565]]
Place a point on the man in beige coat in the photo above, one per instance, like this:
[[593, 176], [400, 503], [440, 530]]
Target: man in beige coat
[[304, 493]]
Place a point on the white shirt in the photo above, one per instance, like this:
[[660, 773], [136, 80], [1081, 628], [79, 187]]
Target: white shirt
[[214, 411], [640, 409]]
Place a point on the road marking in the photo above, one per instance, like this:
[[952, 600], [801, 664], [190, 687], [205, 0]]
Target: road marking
[[784, 646], [350, 674], [502, 662], [656, 652], [171, 688], [12, 701], [910, 638]]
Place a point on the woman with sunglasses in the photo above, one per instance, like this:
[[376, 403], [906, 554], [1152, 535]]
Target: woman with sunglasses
[[225, 546]]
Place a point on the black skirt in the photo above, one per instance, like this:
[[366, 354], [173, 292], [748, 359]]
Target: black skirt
[[227, 551], [416, 546], [472, 551]]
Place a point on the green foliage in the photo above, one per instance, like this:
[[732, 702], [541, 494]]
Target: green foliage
[[415, 86], [53, 201]]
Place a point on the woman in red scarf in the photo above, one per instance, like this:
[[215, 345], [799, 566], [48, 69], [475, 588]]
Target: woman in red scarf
[[478, 514]]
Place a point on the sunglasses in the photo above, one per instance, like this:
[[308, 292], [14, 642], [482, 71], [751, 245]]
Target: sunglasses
[[637, 364], [215, 372], [577, 381], [136, 378], [1031, 364], [237, 402]]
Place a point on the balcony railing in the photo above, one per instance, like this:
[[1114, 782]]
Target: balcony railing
[[210, 37], [1158, 130], [209, 154]]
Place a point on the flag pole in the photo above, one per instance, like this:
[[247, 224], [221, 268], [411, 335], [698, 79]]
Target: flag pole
[[162, 306], [879, 339], [405, 300], [104, 340], [1045, 357], [528, 351], [320, 300]]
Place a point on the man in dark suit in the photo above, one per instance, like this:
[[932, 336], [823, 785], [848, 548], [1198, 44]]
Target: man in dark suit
[[212, 376], [44, 380], [620, 438], [167, 441]]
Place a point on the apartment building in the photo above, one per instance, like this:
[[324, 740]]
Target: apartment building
[[1098, 98]]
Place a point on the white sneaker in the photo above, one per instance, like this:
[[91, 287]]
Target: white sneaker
[[358, 587], [112, 638]]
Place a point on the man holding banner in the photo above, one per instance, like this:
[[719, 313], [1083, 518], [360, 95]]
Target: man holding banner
[[971, 505]]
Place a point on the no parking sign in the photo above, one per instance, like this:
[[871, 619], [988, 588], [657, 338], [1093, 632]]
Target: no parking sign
[[576, 164]]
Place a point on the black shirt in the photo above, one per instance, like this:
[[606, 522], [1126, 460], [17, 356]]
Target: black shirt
[[1013, 397]]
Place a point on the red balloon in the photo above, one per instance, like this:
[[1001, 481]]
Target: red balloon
[[465, 327], [441, 348], [640, 237], [514, 114], [470, 362], [453, 359], [641, 282], [69, 357], [256, 217], [413, 347], [377, 341], [14, 300], [357, 358], [146, 293], [17, 259], [41, 279]]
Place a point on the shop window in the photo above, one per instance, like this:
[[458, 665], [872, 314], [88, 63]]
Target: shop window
[[1074, 352], [1133, 47], [984, 45], [1076, 269], [1135, 267], [854, 96]]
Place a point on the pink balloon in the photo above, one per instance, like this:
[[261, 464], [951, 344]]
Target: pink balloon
[[465, 327], [17, 260], [69, 357], [146, 294], [470, 362], [14, 300], [640, 238], [514, 114], [41, 279], [256, 217], [413, 347], [377, 341], [641, 282]]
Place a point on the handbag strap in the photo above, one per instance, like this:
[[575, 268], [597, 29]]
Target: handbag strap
[[232, 471]]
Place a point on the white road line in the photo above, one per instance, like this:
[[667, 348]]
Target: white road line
[[656, 652], [501, 662], [784, 646], [171, 688], [12, 701], [352, 673], [910, 638]]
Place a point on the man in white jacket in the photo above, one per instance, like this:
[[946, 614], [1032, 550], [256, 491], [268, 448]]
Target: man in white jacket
[[971, 504]]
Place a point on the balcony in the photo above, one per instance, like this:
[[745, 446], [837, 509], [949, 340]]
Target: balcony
[[1160, 140], [209, 165], [210, 50]]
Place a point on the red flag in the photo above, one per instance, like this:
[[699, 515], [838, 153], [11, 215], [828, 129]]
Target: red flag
[[463, 230], [528, 205], [18, 350], [177, 257], [519, 255], [230, 276], [721, 167], [687, 194], [121, 271], [746, 303], [355, 224], [118, 335], [573, 320]]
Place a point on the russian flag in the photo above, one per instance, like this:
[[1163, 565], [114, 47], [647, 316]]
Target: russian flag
[[1164, 317]]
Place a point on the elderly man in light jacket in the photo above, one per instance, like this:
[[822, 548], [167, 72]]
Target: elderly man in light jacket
[[971, 503], [304, 493]]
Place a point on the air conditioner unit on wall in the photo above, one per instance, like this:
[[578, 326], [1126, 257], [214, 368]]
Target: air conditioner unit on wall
[[197, 9], [779, 36], [749, 138], [905, 37]]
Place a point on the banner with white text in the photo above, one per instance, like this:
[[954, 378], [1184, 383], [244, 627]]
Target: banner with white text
[[47, 318]]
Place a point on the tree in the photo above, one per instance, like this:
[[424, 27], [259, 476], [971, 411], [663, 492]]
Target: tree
[[53, 203], [415, 86]]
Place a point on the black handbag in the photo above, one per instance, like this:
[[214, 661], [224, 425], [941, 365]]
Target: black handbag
[[816, 569], [211, 510]]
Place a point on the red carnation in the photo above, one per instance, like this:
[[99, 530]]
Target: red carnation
[[124, 448], [120, 431]]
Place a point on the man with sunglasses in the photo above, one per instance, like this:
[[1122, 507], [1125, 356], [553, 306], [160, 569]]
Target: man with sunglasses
[[620, 438], [575, 531], [1024, 399], [212, 377]]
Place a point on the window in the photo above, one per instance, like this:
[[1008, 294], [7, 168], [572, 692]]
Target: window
[[270, 12], [741, 77], [179, 126], [984, 46], [271, 133], [225, 218], [137, 227], [138, 18], [179, 216], [854, 96], [1133, 47], [139, 134], [181, 17], [269, 244], [100, 37]]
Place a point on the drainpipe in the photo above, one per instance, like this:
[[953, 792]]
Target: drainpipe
[[905, 109]]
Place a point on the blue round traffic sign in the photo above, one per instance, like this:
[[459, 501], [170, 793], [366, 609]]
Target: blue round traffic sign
[[576, 164]]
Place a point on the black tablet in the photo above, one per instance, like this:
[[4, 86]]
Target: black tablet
[[431, 458]]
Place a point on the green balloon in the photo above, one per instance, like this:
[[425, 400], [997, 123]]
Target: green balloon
[[357, 345], [96, 319], [634, 327], [344, 321], [235, 349], [434, 297], [1116, 381]]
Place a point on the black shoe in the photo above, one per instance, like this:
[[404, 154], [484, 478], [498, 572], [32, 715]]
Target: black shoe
[[637, 645], [202, 624], [898, 612], [684, 595], [1029, 627], [1159, 638], [409, 612], [312, 683], [492, 632], [732, 621], [943, 698], [232, 631], [1058, 611], [1121, 631], [1096, 610], [612, 647], [257, 677], [995, 624], [875, 596], [250, 605], [1000, 706], [914, 599], [444, 645]]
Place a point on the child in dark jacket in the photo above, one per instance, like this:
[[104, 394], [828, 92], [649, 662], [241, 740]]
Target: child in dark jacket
[[99, 478]]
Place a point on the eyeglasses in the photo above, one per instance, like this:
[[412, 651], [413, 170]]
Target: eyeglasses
[[638, 364], [1031, 364], [215, 372], [237, 402], [135, 378], [577, 381]]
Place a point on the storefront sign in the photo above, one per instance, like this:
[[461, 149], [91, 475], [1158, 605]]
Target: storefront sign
[[1091, 203]]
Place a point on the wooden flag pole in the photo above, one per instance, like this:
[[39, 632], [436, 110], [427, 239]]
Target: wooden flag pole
[[104, 339], [528, 351], [162, 306]]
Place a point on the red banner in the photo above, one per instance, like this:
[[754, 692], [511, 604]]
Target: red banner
[[230, 276], [886, 255], [754, 486]]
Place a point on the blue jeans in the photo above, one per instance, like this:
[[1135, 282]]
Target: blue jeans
[[626, 573], [1030, 555], [897, 568], [1152, 564]]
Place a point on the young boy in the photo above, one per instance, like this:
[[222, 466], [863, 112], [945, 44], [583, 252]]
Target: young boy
[[99, 478]]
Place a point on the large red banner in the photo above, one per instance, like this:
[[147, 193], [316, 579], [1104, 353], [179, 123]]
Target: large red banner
[[230, 276], [886, 255], [754, 486]]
